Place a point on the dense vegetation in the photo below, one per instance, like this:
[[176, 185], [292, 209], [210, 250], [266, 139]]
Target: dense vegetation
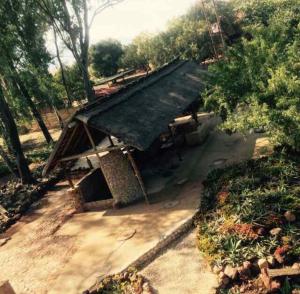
[[257, 84]]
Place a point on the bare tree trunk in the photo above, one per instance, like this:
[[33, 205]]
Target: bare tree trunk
[[21, 87], [34, 110], [8, 162], [11, 128], [63, 75]]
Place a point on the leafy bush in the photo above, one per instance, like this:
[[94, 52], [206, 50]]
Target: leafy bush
[[257, 85]]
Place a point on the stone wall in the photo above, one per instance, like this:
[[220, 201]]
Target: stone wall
[[120, 177]]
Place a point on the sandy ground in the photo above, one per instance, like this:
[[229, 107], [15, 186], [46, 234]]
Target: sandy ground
[[52, 252], [31, 258], [181, 270]]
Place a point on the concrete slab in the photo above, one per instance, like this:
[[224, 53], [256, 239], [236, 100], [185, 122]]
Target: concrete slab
[[181, 270]]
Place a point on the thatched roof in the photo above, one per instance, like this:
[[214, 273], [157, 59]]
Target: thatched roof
[[137, 114]]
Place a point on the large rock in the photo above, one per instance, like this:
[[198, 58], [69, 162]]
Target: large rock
[[289, 216], [231, 272], [262, 263], [275, 231]]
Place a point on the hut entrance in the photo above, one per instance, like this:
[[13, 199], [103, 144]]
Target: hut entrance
[[93, 187]]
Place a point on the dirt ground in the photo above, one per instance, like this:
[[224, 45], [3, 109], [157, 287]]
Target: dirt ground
[[31, 258], [53, 251]]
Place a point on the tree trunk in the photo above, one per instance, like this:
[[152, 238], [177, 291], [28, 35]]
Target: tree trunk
[[34, 110], [20, 85], [8, 162], [90, 94], [11, 128], [63, 75]]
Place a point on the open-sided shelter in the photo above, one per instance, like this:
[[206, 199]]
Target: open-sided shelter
[[133, 118]]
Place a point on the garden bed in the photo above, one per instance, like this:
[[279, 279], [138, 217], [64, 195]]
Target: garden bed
[[250, 225], [127, 282], [16, 198]]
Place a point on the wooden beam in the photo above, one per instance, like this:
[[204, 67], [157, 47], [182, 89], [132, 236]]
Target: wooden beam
[[287, 271], [110, 140], [93, 152], [91, 140], [138, 175]]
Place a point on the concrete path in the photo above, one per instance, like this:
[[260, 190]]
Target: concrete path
[[181, 270], [49, 253]]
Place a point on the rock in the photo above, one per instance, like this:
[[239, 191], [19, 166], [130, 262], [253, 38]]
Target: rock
[[146, 287], [247, 265], [289, 216], [262, 263], [275, 285], [217, 269], [244, 273], [223, 280], [231, 272], [265, 278], [271, 260], [296, 265], [261, 231], [275, 231]]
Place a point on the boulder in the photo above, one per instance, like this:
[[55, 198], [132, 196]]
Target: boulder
[[289, 216], [231, 272], [217, 269], [275, 231], [262, 263]]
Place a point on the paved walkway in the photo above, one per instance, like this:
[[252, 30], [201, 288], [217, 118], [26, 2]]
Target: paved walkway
[[73, 252], [181, 270]]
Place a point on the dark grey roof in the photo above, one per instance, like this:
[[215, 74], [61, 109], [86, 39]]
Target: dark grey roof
[[138, 113]]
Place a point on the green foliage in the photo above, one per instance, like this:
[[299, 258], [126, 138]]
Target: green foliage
[[258, 85], [241, 199], [75, 82], [185, 37], [105, 57]]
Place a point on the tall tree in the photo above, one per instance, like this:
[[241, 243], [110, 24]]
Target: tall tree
[[10, 126], [105, 57], [62, 70], [72, 22], [22, 51]]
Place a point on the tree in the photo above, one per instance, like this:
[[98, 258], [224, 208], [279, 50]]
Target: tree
[[105, 57], [23, 54], [62, 70], [257, 86], [72, 22], [10, 126]]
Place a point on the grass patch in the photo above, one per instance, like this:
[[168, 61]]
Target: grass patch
[[242, 203]]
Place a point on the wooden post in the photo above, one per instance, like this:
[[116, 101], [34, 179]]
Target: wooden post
[[91, 141], [174, 143], [138, 175], [111, 141]]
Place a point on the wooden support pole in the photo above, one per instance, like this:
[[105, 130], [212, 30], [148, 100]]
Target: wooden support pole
[[91, 140], [88, 153], [138, 175], [171, 129], [111, 141]]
